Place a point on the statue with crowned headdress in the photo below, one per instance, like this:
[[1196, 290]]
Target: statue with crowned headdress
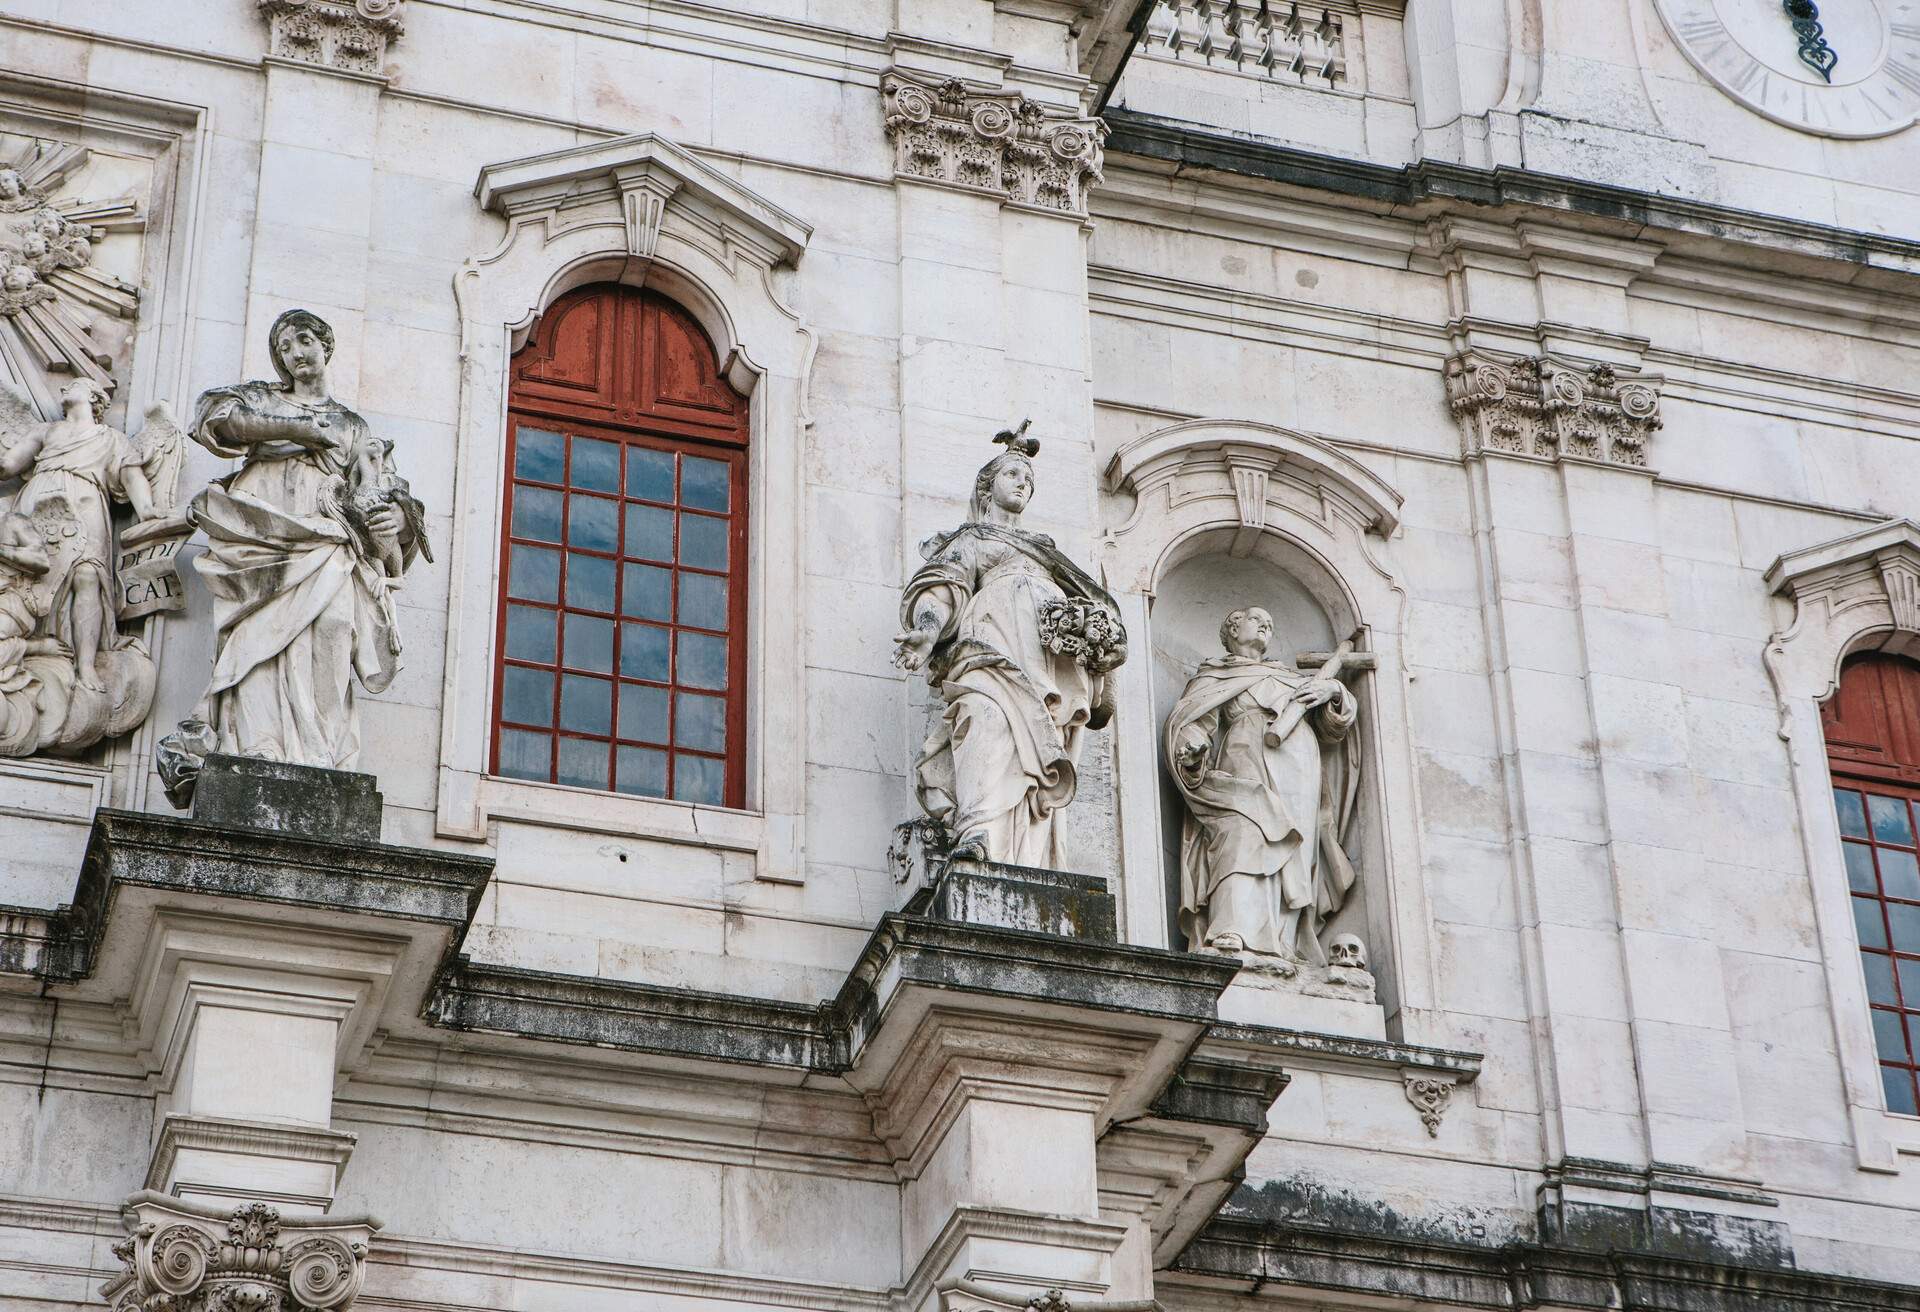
[[1019, 643]]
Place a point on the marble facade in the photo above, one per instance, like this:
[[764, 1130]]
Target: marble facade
[[1532, 349]]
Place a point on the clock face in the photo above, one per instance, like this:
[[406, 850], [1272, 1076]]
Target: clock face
[[1857, 75]]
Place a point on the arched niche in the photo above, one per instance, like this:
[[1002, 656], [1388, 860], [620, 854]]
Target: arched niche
[[1205, 517]]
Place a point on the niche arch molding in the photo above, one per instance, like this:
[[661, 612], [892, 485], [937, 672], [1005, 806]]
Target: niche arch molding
[[642, 212], [1853, 593], [1242, 488]]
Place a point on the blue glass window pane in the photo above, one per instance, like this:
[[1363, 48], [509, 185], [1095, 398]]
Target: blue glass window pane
[[650, 532], [1888, 1036], [1866, 922], [526, 697], [643, 713], [593, 523], [1910, 981], [1905, 923], [533, 574], [703, 541], [703, 600], [589, 582], [700, 722], [1899, 1086], [583, 763], [1853, 816], [700, 661], [642, 771], [526, 755], [1879, 978], [703, 483], [650, 477], [596, 464], [1859, 867], [1899, 876], [644, 652], [586, 705], [589, 644], [536, 513], [530, 634], [1890, 821], [697, 779], [646, 592], [539, 454]]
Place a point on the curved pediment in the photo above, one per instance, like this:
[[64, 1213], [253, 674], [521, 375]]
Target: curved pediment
[[1255, 454]]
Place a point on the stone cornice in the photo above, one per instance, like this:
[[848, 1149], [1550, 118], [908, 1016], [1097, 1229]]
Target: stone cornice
[[169, 855], [1433, 187], [1281, 1261]]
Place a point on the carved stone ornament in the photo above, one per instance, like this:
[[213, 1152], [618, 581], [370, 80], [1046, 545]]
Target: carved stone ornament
[[184, 1258], [306, 544], [349, 36], [1546, 408], [997, 142], [1259, 753], [996, 615], [1429, 1097], [69, 677], [62, 316]]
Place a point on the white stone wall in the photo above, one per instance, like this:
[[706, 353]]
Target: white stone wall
[[1591, 848]]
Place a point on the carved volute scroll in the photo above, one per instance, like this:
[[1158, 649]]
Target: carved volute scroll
[[188, 1258], [1546, 408], [347, 36], [999, 142]]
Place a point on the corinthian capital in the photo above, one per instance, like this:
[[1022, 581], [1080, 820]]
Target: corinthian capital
[[998, 142], [185, 1258]]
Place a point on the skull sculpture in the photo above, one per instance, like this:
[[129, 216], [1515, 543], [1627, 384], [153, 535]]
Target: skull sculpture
[[1345, 952]]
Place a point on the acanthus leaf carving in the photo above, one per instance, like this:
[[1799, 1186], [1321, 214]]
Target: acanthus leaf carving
[[349, 36], [1547, 408], [998, 142], [179, 1257]]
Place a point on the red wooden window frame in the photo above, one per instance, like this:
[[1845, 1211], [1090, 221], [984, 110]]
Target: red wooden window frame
[[1872, 725], [618, 388]]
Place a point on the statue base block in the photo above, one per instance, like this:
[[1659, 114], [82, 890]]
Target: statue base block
[[1255, 998], [331, 805], [1025, 897]]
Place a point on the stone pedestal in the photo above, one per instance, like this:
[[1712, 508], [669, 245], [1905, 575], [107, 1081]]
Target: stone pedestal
[[256, 952], [1025, 897]]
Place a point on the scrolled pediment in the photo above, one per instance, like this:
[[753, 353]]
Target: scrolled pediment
[[1253, 456], [648, 176]]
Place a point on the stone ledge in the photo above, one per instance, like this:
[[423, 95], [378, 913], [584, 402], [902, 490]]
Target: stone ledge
[[1437, 185], [170, 855], [1382, 1057], [1280, 1261], [826, 1037]]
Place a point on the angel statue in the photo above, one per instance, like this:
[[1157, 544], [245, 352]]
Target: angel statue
[[1259, 753], [68, 675], [306, 543], [1018, 641]]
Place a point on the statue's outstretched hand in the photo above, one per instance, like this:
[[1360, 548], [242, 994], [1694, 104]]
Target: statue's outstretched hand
[[911, 649]]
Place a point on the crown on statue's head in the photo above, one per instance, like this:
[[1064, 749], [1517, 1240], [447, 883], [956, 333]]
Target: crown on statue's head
[[1016, 439]]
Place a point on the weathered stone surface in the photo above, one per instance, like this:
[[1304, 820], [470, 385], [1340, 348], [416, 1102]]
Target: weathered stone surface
[[1025, 898], [298, 800]]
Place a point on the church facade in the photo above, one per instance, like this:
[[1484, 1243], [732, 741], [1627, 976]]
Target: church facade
[[959, 654]]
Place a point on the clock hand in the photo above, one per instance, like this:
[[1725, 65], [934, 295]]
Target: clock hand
[[1815, 53]]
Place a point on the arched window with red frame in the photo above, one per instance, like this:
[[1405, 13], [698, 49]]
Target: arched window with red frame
[[622, 638], [1872, 725]]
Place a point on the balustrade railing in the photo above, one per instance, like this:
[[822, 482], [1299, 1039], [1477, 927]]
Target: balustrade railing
[[1270, 38]]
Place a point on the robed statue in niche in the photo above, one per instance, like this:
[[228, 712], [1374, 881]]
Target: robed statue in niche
[[1019, 643], [306, 543], [1261, 754]]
